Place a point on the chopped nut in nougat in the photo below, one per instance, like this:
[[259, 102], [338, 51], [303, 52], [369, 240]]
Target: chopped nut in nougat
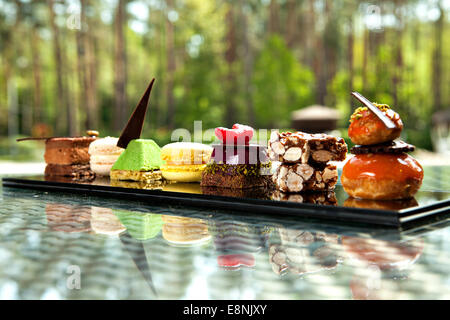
[[300, 147], [303, 177]]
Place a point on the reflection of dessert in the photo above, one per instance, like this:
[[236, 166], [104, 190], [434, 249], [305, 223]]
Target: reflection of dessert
[[386, 255], [235, 163], [305, 160], [236, 243], [140, 161], [68, 218], [184, 230], [254, 193], [185, 161], [103, 154], [385, 262], [103, 221], [69, 173], [141, 226], [324, 198], [380, 170], [147, 185], [302, 252], [381, 205], [183, 187], [68, 156], [236, 260]]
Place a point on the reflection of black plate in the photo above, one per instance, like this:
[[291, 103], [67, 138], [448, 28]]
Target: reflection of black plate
[[434, 204]]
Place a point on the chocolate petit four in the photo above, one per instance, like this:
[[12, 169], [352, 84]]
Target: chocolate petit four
[[235, 163], [185, 161], [68, 156], [104, 153], [140, 161]]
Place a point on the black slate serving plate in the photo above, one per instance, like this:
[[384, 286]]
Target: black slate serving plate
[[429, 206]]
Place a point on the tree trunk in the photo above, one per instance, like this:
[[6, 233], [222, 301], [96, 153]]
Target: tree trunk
[[350, 54], [437, 60], [330, 50], [274, 17], [291, 23], [365, 58], [120, 70], [398, 57], [171, 67], [64, 114], [230, 58], [309, 34], [86, 71], [317, 59], [157, 19], [90, 68], [37, 76], [248, 68]]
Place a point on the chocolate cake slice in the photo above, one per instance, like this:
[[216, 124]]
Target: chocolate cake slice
[[73, 171], [237, 181], [67, 150], [253, 193]]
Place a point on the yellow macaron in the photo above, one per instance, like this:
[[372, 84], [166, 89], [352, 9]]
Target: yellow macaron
[[185, 161]]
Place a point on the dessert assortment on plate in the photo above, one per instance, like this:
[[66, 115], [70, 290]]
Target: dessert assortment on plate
[[305, 166], [380, 169]]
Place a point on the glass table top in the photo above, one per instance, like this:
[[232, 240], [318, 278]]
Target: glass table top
[[66, 246]]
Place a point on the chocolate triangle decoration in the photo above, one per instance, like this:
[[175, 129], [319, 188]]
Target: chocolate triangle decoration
[[133, 129]]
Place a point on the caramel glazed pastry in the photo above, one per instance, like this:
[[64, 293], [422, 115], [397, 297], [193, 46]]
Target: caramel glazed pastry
[[305, 160], [380, 169]]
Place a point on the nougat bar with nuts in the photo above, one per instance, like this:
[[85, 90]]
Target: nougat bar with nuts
[[300, 147], [304, 177], [323, 198]]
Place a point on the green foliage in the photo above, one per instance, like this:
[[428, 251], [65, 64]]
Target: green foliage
[[267, 74], [281, 84]]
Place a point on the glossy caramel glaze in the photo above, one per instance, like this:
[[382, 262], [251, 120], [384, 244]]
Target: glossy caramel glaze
[[383, 166], [367, 128]]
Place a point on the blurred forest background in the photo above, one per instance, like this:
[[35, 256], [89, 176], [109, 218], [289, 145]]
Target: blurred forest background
[[68, 66]]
